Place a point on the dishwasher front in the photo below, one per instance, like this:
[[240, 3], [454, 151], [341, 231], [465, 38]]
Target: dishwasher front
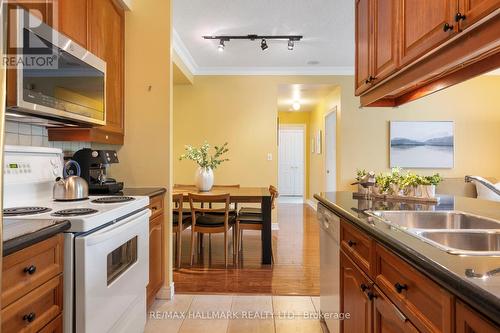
[[329, 267]]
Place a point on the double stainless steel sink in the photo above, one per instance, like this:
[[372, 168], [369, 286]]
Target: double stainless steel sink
[[452, 231]]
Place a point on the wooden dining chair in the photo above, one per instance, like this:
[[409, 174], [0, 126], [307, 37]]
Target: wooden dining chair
[[250, 218], [181, 220], [210, 220]]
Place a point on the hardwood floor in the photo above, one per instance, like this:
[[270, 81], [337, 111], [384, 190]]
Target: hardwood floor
[[295, 270]]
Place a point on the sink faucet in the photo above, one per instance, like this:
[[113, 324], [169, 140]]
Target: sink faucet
[[469, 179]]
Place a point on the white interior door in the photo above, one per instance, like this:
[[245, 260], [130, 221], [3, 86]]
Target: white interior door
[[331, 150], [291, 161]]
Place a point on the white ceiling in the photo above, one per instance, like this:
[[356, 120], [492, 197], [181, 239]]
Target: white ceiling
[[327, 27]]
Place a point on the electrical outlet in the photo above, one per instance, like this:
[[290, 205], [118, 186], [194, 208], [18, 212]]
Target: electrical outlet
[[269, 156]]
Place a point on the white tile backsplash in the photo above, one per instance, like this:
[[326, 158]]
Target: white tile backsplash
[[32, 135]]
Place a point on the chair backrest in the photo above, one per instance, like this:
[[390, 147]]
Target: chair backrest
[[210, 199], [178, 199], [274, 195]]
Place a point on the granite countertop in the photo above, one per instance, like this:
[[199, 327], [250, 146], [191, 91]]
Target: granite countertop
[[143, 191], [446, 269], [19, 234]]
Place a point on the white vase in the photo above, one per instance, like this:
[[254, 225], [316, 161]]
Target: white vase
[[204, 179], [427, 191]]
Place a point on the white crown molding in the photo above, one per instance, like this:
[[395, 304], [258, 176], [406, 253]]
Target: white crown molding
[[183, 53], [275, 71]]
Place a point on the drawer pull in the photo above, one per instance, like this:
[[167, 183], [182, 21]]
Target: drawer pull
[[351, 243], [29, 317], [154, 208], [400, 287], [447, 27], [30, 270], [363, 287]]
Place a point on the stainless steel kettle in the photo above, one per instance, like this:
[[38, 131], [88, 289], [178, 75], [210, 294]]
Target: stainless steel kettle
[[71, 187]]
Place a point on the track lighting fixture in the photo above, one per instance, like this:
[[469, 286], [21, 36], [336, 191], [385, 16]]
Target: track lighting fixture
[[221, 45], [263, 44]]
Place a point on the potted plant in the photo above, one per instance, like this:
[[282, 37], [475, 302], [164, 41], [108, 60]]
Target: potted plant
[[395, 181], [427, 186], [207, 163], [409, 183], [382, 183]]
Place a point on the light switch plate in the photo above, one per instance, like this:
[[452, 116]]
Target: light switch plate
[[269, 156]]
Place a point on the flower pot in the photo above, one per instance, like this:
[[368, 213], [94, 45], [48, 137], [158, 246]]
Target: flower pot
[[410, 191], [426, 191], [204, 179], [394, 189]]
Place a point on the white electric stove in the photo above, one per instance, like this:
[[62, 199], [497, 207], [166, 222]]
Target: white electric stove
[[106, 259]]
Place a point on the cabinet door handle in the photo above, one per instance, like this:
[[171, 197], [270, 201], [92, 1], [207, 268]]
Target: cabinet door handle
[[460, 17], [363, 287], [370, 79], [30, 270], [447, 27], [30, 317], [371, 295], [400, 287], [351, 243]]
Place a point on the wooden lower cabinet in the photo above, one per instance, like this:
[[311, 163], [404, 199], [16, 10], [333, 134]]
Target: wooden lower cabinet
[[156, 248], [355, 287], [32, 288], [387, 318], [467, 321]]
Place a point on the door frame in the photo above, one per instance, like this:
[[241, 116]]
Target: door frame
[[331, 112], [303, 128]]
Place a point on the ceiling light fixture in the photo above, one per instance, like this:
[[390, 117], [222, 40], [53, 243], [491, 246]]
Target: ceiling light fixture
[[263, 38], [296, 106], [263, 45]]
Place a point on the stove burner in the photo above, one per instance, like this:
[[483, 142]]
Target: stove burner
[[109, 200], [75, 212], [20, 211]]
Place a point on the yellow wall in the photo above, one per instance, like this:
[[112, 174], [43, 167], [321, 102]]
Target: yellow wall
[[300, 118], [145, 157], [242, 111]]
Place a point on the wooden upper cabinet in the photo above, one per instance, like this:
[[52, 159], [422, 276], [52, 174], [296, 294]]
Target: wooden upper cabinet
[[106, 40], [72, 20], [363, 45], [385, 38], [473, 10], [41, 9], [424, 25]]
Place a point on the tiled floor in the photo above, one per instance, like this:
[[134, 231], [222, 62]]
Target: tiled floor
[[228, 313]]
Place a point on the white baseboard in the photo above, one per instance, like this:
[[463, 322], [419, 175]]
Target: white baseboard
[[313, 203], [166, 292]]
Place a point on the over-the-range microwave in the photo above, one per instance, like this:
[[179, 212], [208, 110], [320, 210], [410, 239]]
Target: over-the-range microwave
[[58, 82]]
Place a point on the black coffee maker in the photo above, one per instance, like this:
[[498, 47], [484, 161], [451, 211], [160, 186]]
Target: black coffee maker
[[94, 164]]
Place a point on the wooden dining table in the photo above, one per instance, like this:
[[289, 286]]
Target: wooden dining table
[[239, 195]]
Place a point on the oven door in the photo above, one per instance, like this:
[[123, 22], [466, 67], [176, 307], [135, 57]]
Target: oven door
[[111, 274]]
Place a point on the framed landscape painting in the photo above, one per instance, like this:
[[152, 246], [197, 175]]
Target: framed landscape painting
[[422, 144]]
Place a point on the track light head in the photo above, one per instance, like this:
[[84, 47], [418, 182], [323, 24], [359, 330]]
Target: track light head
[[290, 44], [263, 45], [221, 46]]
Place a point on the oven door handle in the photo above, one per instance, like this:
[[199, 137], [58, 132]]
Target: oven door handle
[[111, 231]]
